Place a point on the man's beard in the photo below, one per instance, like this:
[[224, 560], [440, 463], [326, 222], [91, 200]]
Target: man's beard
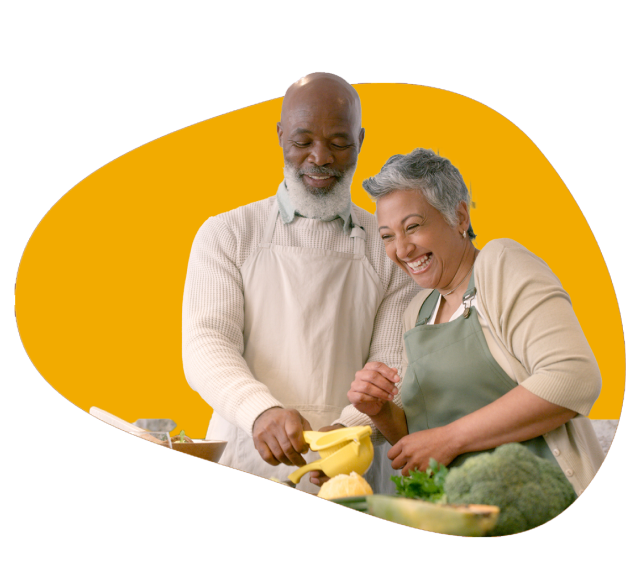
[[324, 203]]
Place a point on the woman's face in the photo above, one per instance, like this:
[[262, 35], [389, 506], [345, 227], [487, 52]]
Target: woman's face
[[419, 240]]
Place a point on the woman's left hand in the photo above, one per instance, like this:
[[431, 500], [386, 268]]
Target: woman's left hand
[[415, 450]]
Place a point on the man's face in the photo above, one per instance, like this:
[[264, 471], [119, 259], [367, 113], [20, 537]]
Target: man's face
[[321, 137]]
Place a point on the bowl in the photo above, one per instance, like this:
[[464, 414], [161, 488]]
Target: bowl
[[202, 448]]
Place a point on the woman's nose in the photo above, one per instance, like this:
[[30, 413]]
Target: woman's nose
[[404, 248]]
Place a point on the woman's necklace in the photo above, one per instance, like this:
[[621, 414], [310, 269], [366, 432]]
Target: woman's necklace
[[463, 279]]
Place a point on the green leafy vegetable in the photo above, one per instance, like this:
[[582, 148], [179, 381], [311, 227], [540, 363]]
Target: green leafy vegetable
[[529, 490], [428, 485], [179, 438]]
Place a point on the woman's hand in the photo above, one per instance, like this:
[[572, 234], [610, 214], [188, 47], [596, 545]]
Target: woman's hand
[[415, 450], [517, 416], [373, 386]]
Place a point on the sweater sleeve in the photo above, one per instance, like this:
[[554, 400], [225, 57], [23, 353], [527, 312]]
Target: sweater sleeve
[[531, 314], [386, 345], [212, 329]]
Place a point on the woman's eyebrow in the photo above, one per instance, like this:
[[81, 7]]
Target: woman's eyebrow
[[403, 220]]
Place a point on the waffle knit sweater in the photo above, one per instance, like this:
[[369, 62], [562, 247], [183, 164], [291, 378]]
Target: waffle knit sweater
[[213, 306]]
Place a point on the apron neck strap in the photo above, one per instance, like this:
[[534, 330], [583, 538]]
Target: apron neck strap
[[427, 308], [432, 299], [471, 290], [269, 227], [358, 235]]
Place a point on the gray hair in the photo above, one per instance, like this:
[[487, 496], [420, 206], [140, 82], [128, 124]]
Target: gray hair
[[433, 176]]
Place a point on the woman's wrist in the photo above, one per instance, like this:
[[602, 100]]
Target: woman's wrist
[[390, 420], [457, 437]]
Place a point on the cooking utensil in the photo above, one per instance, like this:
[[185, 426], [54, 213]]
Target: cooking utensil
[[156, 424], [161, 438], [342, 451]]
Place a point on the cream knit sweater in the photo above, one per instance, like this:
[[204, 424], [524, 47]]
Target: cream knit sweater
[[212, 326], [530, 316]]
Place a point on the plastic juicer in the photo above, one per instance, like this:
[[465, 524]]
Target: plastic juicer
[[342, 451]]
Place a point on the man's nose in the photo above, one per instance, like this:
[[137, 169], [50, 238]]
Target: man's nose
[[320, 155]]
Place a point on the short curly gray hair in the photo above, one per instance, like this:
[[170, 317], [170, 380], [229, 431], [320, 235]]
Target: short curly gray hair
[[424, 171]]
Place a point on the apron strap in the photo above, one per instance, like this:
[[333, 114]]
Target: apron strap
[[426, 310], [358, 234], [471, 290], [269, 227]]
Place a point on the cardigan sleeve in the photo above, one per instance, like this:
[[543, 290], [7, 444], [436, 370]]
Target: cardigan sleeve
[[532, 315]]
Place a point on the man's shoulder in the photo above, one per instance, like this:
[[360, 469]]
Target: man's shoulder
[[246, 215], [365, 218], [250, 210]]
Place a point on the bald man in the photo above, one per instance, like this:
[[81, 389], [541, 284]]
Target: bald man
[[286, 298]]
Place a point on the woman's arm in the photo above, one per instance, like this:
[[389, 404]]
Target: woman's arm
[[372, 393], [517, 416]]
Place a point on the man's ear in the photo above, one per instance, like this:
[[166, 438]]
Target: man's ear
[[279, 132], [362, 132]]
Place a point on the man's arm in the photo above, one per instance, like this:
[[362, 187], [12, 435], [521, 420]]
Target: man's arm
[[212, 347]]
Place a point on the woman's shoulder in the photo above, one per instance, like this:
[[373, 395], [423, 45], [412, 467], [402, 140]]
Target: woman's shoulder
[[505, 269], [508, 256], [501, 246], [411, 313]]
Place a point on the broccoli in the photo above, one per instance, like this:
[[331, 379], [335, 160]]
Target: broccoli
[[528, 490]]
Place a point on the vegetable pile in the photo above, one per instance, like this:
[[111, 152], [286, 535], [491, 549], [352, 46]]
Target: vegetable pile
[[424, 485], [528, 490]]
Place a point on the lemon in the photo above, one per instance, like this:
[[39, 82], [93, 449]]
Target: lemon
[[344, 485]]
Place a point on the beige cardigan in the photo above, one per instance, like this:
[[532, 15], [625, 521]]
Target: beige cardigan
[[530, 316]]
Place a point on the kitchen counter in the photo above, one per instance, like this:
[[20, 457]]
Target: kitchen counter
[[605, 430]]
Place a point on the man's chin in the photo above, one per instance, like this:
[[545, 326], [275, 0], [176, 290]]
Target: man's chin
[[319, 191]]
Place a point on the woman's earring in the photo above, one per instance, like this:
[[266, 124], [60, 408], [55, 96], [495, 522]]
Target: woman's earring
[[464, 234]]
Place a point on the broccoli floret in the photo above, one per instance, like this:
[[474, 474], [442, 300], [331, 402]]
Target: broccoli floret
[[528, 490]]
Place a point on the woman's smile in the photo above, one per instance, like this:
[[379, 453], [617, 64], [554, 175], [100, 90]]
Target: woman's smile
[[421, 264]]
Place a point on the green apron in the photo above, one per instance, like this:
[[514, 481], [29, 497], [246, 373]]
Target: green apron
[[452, 373]]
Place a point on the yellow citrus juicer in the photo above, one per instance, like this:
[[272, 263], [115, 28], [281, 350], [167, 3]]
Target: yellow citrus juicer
[[342, 451]]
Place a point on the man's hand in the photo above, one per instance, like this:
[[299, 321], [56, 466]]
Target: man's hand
[[278, 437], [374, 385]]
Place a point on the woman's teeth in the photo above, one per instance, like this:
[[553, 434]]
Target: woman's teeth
[[420, 263]]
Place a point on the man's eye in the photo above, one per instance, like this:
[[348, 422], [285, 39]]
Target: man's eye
[[340, 147], [301, 144]]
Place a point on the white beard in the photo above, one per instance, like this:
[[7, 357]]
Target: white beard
[[314, 204]]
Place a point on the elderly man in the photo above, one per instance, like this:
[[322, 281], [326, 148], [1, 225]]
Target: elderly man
[[286, 298]]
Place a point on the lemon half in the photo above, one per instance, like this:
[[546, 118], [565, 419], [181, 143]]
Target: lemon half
[[344, 485]]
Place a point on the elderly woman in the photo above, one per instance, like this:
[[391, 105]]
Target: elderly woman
[[494, 352]]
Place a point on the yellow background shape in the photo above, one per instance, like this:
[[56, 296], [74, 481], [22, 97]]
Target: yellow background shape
[[99, 287]]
